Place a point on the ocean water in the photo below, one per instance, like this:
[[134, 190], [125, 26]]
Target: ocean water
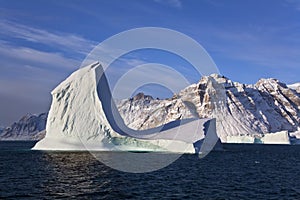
[[238, 172]]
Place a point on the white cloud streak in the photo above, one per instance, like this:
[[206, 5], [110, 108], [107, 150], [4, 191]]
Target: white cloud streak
[[64, 41], [29, 56]]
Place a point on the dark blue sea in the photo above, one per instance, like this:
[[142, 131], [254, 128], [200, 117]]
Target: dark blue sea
[[237, 172]]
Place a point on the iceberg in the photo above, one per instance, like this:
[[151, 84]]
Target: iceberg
[[281, 137], [83, 116], [240, 139]]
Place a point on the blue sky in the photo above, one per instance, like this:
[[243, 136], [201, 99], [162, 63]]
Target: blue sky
[[42, 42]]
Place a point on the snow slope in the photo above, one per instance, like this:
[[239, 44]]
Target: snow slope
[[295, 86]]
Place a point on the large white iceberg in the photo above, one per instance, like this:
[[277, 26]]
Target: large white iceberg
[[83, 116]]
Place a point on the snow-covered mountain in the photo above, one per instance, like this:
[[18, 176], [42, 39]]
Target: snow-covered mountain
[[268, 106], [29, 127]]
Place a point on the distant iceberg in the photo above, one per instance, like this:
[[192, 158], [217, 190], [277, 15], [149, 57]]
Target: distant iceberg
[[281, 137], [240, 139], [83, 116]]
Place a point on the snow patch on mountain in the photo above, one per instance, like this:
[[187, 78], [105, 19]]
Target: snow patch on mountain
[[295, 86]]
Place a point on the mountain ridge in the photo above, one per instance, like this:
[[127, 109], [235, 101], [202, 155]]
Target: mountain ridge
[[29, 127]]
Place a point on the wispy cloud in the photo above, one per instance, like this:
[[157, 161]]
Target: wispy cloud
[[172, 3], [63, 41], [29, 56]]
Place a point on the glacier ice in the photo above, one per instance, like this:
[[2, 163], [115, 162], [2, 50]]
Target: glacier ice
[[84, 117]]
